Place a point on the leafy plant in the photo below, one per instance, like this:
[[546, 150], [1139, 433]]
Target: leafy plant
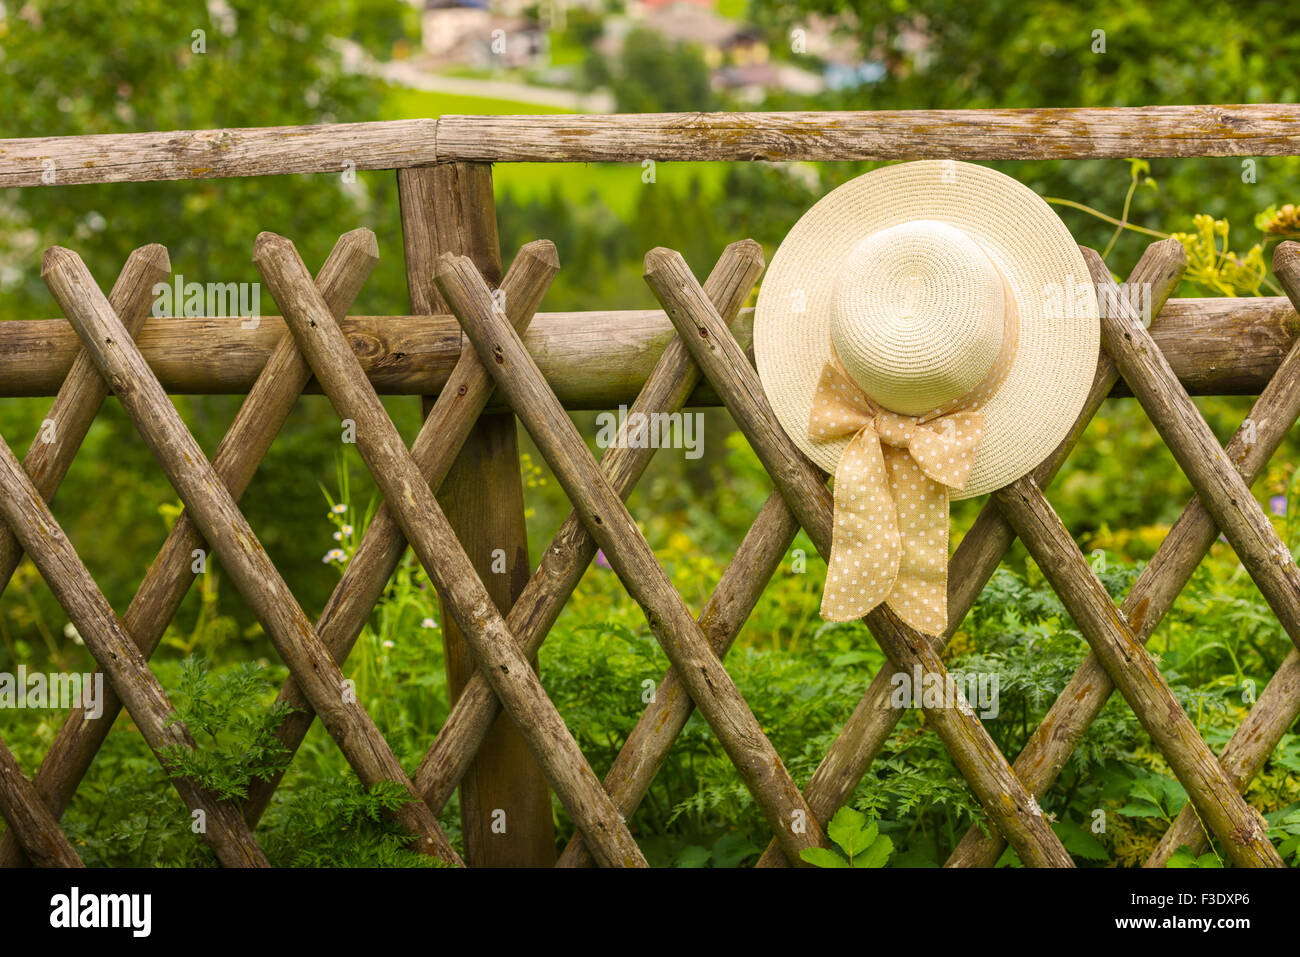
[[1184, 857], [860, 841], [235, 730]]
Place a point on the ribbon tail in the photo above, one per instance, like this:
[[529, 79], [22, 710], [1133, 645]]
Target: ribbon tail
[[920, 593], [865, 543]]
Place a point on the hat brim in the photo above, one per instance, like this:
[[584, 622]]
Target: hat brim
[[1056, 357]]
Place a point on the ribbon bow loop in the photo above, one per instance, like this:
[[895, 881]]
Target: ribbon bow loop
[[944, 447], [892, 486]]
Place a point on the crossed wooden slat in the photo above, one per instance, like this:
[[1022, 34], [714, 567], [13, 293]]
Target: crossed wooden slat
[[168, 579], [981, 550], [1158, 585], [46, 463], [1210, 788], [669, 390], [692, 646], [114, 352], [973, 563]]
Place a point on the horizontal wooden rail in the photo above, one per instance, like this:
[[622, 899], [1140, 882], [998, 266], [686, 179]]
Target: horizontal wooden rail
[[593, 360], [1262, 129]]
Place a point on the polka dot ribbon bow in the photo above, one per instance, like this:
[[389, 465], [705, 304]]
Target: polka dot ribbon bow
[[890, 540]]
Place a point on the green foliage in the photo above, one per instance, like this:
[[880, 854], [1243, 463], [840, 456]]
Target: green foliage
[[1118, 494], [1183, 857], [860, 841], [1154, 795], [1286, 829], [653, 75], [234, 729], [1220, 269], [340, 823]]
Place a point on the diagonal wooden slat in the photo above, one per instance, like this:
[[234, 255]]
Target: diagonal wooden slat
[[449, 207], [413, 504], [1135, 673], [1154, 279], [1242, 757], [609, 522], [24, 510], [647, 746], [1220, 487], [30, 821], [168, 579], [381, 547], [1008, 804], [1279, 704], [230, 536], [83, 392], [1145, 606], [572, 550]]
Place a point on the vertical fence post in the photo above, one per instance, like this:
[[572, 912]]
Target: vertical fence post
[[505, 801]]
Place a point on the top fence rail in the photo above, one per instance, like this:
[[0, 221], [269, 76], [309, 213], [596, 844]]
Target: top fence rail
[[1266, 129]]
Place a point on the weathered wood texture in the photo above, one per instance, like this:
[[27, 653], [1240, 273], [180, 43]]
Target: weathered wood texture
[[413, 504], [27, 515], [450, 208], [227, 531], [376, 558], [573, 548], [1220, 487], [169, 576], [1215, 346], [29, 820], [83, 392], [607, 519], [1015, 813], [205, 154], [1279, 704], [1242, 833], [1263, 129]]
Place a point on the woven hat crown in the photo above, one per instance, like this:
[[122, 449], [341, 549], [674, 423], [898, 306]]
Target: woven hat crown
[[917, 315]]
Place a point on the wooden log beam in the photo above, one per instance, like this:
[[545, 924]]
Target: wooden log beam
[[594, 360], [1108, 132], [1015, 813], [208, 154], [227, 531], [413, 504], [505, 804], [1260, 129], [168, 579], [610, 524]]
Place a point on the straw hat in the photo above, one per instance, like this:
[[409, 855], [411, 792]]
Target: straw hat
[[945, 300]]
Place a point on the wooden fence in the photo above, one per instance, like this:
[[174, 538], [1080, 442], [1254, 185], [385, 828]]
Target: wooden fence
[[480, 364]]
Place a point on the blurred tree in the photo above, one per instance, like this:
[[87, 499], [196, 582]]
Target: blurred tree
[[951, 54], [69, 68], [654, 75]]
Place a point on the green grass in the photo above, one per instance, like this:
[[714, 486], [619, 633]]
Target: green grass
[[401, 103], [618, 185]]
